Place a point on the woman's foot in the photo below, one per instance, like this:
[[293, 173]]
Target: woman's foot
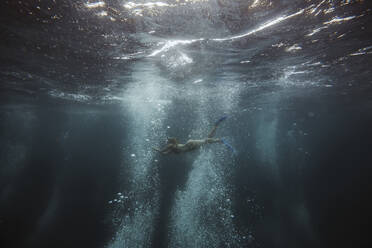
[[220, 120]]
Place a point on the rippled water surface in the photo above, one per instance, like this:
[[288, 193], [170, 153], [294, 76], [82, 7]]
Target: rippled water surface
[[89, 88]]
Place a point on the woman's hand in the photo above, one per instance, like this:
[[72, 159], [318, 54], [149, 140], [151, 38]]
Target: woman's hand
[[156, 149]]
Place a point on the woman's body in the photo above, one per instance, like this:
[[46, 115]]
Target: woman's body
[[190, 145], [174, 147]]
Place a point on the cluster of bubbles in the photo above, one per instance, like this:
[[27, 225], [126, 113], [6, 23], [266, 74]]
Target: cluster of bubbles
[[120, 198]]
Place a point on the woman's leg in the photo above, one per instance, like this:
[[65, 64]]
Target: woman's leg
[[211, 140], [193, 144], [213, 131]]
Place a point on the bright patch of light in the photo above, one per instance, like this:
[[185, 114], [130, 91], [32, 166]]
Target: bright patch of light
[[293, 48], [280, 44], [317, 13], [95, 5], [138, 12], [298, 72], [292, 77], [198, 81], [316, 30], [362, 51], [327, 11], [172, 43], [262, 27], [102, 13], [338, 19], [316, 8], [129, 56], [314, 64], [366, 48], [255, 3], [245, 62], [357, 54], [122, 57], [176, 60], [131, 5], [184, 59], [345, 2], [70, 96]]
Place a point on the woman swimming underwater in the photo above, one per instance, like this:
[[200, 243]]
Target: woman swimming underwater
[[174, 147]]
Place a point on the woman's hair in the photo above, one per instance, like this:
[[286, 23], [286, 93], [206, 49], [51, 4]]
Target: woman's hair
[[172, 141]]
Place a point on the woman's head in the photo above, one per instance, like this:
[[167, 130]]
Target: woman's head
[[172, 141]]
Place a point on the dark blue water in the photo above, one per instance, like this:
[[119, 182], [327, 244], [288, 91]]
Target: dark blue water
[[88, 88]]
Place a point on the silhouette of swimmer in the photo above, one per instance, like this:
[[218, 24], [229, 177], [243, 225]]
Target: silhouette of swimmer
[[174, 147]]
